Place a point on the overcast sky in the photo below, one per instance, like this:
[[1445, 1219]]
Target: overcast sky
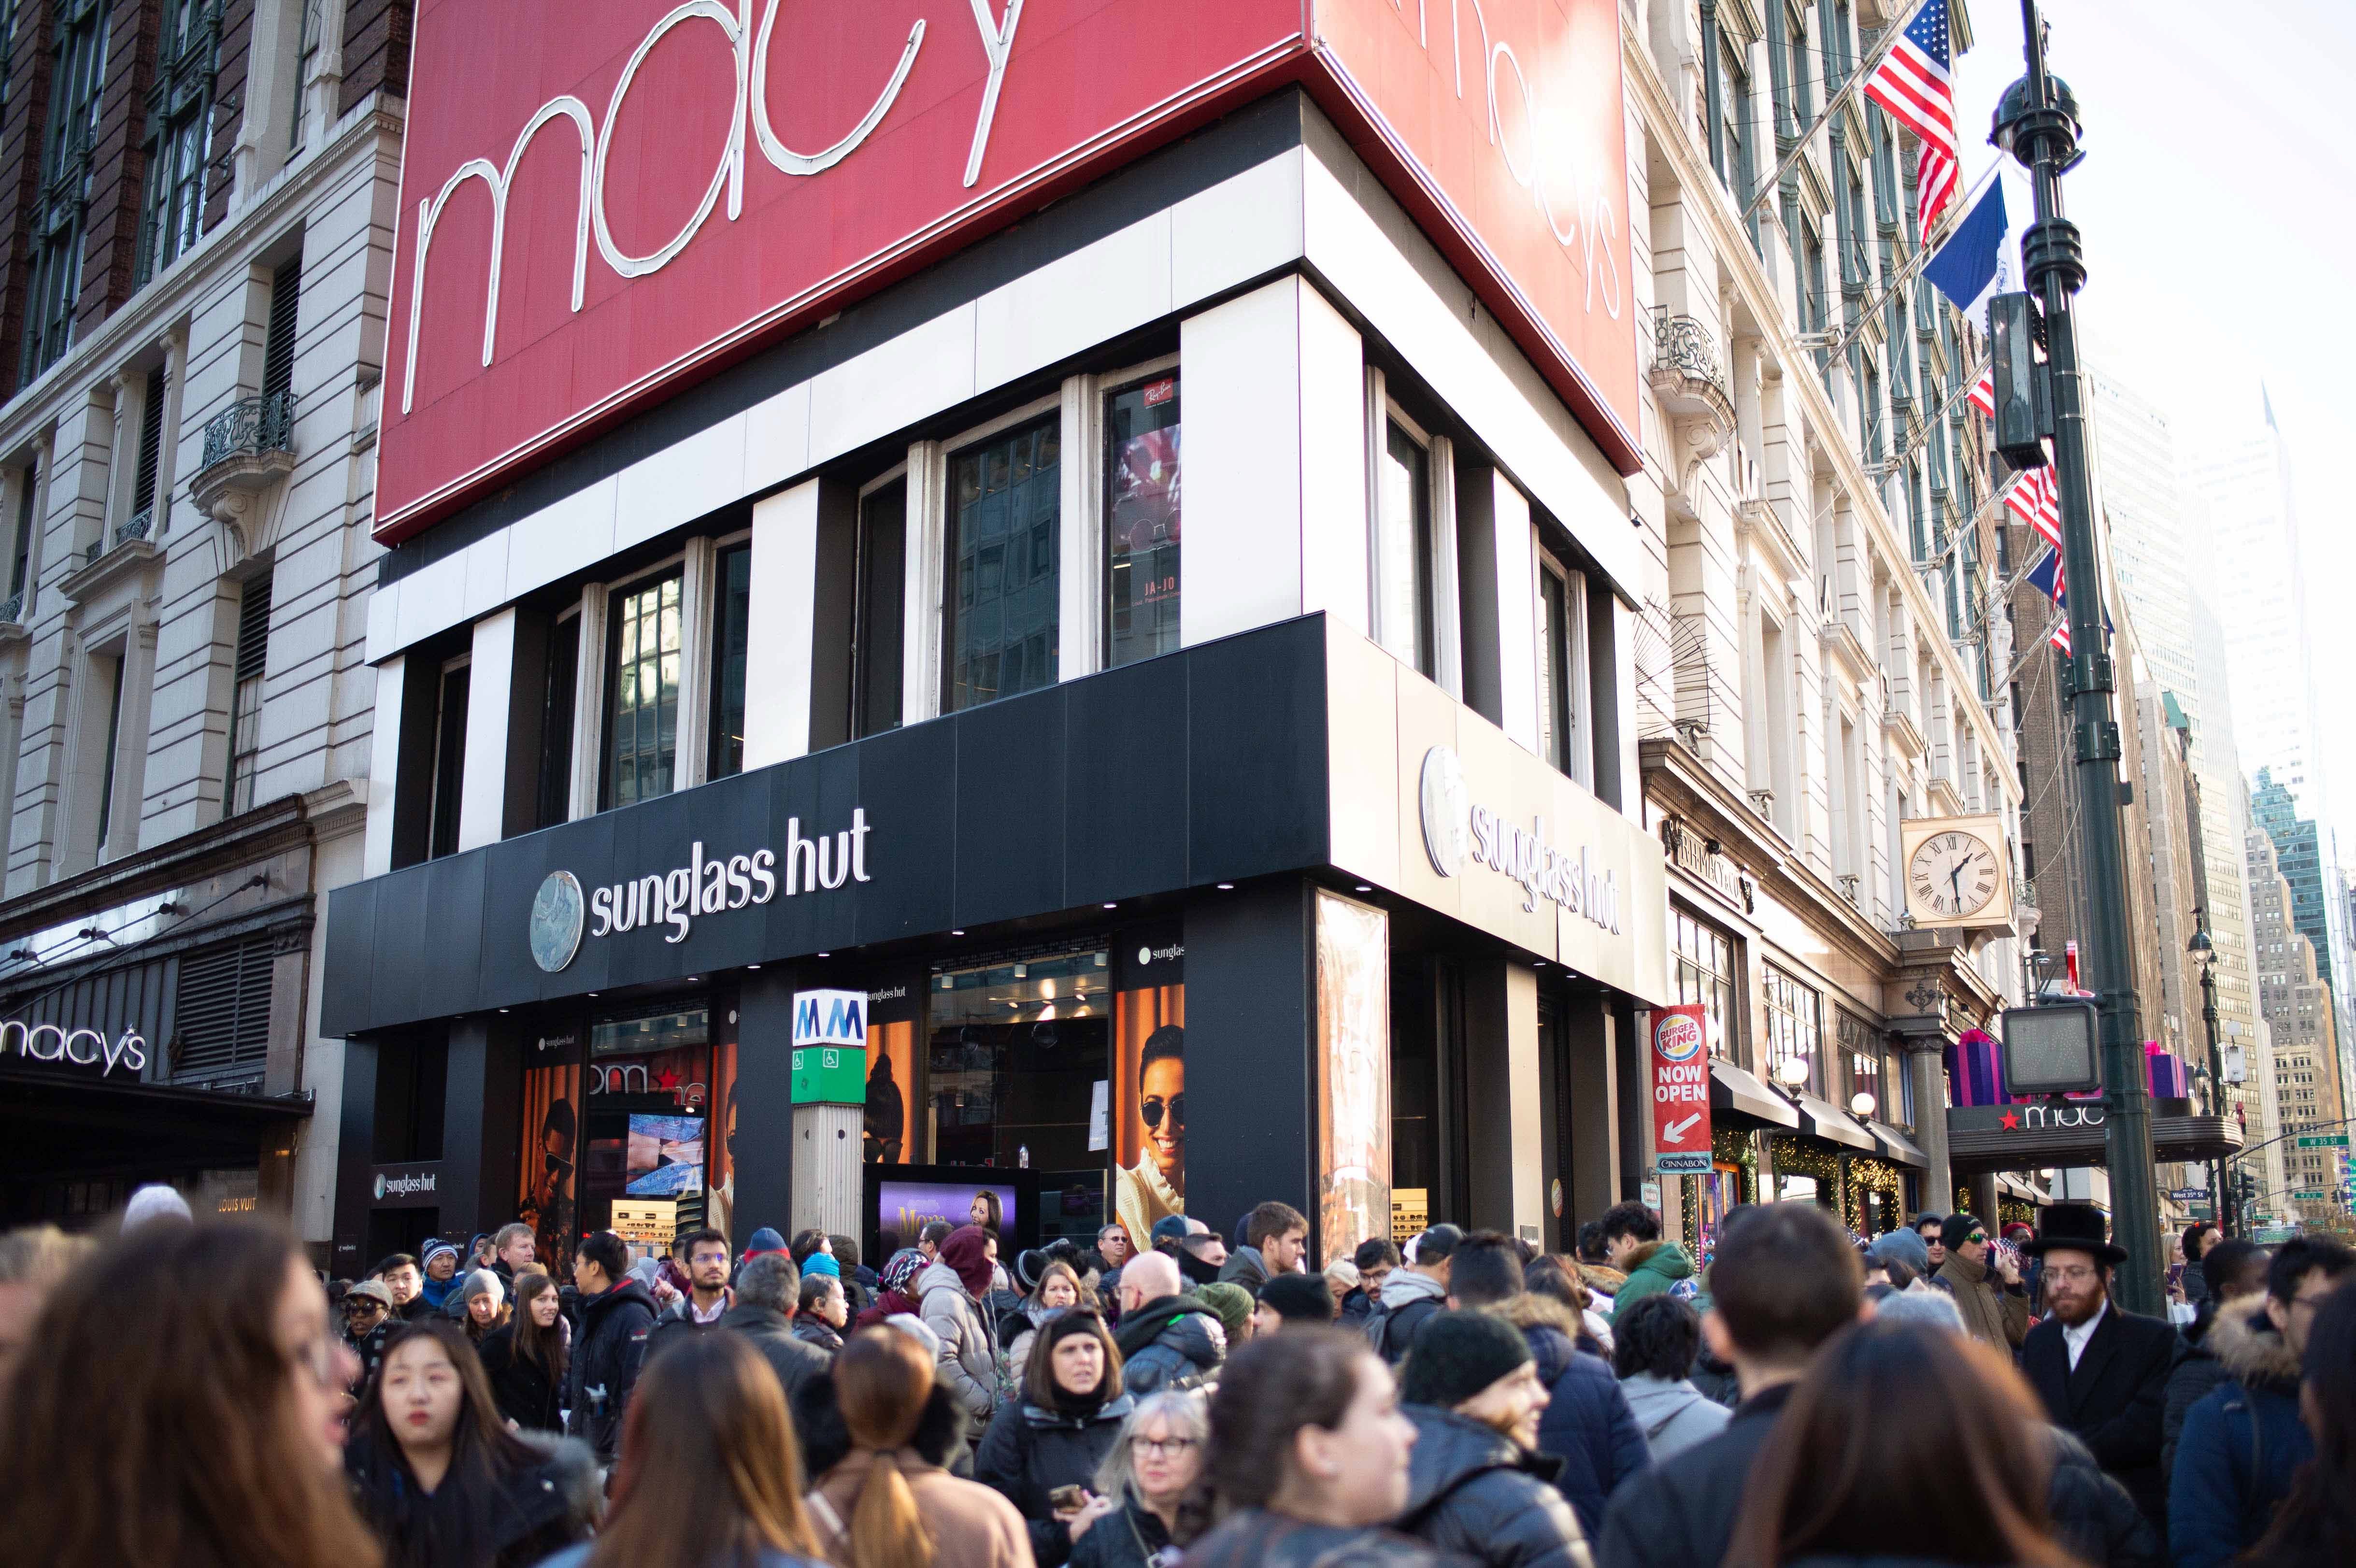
[[2218, 204]]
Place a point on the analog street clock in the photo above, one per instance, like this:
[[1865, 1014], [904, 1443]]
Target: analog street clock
[[1955, 871]]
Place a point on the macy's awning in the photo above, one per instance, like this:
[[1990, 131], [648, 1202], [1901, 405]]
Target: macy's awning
[[1735, 1091]]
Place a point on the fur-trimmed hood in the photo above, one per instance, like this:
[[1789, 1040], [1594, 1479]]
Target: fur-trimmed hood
[[2250, 1346], [1530, 1310]]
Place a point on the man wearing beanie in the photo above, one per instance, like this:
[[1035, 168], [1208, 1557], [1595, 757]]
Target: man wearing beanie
[[441, 1259], [1475, 1485]]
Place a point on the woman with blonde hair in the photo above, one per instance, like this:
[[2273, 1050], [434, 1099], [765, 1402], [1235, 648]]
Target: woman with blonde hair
[[883, 1505], [211, 1436]]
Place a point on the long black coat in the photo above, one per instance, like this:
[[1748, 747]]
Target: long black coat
[[1472, 1492], [2116, 1400], [527, 1394], [1029, 1451]]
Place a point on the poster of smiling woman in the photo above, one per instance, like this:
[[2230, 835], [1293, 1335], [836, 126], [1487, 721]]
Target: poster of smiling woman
[[1149, 1116]]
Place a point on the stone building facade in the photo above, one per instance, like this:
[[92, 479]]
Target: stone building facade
[[194, 250]]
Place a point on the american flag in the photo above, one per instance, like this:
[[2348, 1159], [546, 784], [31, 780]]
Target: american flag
[[1983, 393], [1914, 84], [2049, 577], [2037, 501]]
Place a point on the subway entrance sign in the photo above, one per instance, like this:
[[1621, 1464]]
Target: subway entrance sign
[[830, 1048]]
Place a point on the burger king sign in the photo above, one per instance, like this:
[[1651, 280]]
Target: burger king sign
[[1681, 1091]]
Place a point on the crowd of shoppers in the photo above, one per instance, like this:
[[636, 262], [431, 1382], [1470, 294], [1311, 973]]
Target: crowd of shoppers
[[1462, 1398]]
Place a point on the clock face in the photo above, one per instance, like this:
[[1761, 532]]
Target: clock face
[[1952, 874]]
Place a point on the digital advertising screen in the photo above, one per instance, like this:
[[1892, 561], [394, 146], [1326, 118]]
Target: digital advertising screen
[[665, 1157]]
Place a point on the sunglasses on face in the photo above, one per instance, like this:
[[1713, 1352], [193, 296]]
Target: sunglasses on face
[[1975, 1238], [363, 1308], [1152, 1110]]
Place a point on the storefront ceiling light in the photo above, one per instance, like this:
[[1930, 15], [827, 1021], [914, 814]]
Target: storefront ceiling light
[[956, 933], [1226, 887], [1364, 887], [1023, 972], [756, 965], [1046, 988], [1112, 906]]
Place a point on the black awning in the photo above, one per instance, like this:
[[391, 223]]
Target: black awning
[[1897, 1147], [1734, 1091], [1827, 1121]]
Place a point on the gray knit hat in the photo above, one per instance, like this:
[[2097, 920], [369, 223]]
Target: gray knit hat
[[1907, 1247], [1458, 1354]]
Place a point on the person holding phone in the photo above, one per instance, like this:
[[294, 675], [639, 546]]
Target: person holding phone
[[1044, 1447]]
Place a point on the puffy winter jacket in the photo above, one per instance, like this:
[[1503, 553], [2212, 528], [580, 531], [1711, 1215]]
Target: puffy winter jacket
[[1029, 1451], [1587, 1423], [1474, 1491], [1244, 1266], [2197, 1371], [2239, 1446], [969, 1362], [2094, 1517], [1659, 1268], [1673, 1416], [1255, 1538], [1995, 1313], [1170, 1342], [606, 1361]]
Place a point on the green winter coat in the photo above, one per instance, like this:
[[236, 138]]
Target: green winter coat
[[1652, 1269]]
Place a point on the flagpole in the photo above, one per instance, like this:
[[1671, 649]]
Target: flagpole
[[1915, 263], [1833, 105]]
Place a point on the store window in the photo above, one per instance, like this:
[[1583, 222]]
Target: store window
[[1014, 1051], [1403, 547], [1562, 671], [881, 599], [1142, 506], [114, 667], [1794, 1031], [647, 1103], [642, 715], [1864, 1094], [732, 623], [1703, 959], [1004, 562], [77, 31]]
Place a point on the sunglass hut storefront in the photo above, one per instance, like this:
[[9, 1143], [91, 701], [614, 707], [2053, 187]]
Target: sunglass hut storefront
[[888, 812]]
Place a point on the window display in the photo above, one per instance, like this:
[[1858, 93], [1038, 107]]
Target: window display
[[1353, 1073], [1149, 1104]]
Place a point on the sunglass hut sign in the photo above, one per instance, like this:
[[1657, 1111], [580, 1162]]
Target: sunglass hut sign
[[707, 885]]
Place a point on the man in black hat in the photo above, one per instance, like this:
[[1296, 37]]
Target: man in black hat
[[2101, 1372]]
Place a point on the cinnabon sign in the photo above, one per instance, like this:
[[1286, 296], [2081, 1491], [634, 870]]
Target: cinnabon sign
[[600, 202]]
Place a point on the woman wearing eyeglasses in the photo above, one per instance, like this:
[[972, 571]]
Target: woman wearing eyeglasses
[[1044, 1446], [1141, 1517], [226, 1411], [1156, 1185]]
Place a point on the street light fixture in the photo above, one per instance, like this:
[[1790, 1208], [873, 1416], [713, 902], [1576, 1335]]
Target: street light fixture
[[2204, 954]]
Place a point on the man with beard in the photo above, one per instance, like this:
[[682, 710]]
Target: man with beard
[[1155, 1187], [2101, 1372]]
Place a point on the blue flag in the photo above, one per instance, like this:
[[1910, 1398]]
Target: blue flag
[[1981, 259]]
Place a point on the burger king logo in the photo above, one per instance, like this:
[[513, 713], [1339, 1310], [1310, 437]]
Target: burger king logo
[[1677, 1038]]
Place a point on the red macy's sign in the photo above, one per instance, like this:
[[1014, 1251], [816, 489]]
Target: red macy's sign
[[600, 203]]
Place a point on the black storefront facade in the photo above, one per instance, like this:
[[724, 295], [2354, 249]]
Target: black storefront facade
[[153, 1022], [1275, 893]]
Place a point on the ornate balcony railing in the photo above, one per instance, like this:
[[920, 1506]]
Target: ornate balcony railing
[[1681, 342], [138, 527], [250, 428]]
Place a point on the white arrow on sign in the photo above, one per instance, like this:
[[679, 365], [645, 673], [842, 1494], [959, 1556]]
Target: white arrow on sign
[[1676, 1131]]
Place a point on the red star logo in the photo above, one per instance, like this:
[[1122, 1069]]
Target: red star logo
[[2011, 1121], [667, 1077]]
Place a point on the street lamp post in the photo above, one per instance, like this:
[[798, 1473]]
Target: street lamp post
[[2037, 123], [2204, 953]]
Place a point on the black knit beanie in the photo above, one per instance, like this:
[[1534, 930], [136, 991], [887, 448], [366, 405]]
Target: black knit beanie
[[1458, 1354]]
